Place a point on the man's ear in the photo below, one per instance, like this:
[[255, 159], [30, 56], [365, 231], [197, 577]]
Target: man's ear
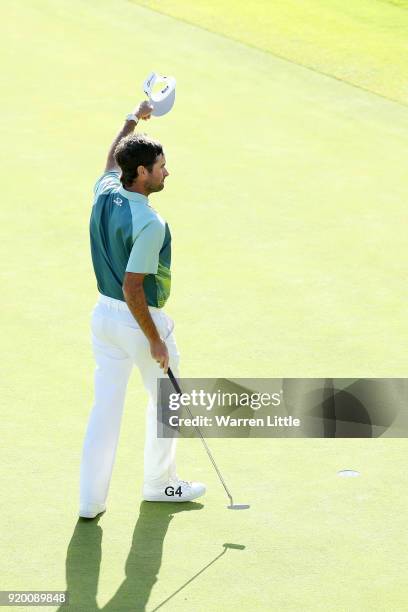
[[141, 171]]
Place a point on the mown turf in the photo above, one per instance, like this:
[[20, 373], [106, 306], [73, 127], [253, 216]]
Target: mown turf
[[286, 201], [362, 43]]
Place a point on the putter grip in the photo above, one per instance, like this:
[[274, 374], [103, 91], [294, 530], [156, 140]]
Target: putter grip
[[174, 381]]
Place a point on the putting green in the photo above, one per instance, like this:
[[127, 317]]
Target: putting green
[[287, 201], [362, 43]]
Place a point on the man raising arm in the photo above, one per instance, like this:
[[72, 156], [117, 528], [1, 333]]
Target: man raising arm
[[131, 256], [133, 282]]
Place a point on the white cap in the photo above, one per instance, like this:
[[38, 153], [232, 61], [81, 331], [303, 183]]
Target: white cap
[[163, 100]]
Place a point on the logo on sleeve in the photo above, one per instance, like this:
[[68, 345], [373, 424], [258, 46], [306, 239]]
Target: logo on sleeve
[[118, 201]]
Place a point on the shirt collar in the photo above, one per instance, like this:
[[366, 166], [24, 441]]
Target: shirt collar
[[134, 196]]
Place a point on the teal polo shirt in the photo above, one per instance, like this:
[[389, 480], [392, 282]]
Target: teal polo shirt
[[128, 235]]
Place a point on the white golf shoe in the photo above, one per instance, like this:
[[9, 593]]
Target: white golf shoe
[[91, 510], [175, 491]]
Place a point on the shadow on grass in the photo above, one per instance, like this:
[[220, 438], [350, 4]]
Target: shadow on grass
[[142, 565], [226, 547]]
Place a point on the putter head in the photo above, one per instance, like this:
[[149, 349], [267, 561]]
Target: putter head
[[238, 507], [234, 546]]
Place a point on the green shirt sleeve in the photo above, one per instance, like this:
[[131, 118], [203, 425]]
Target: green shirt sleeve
[[107, 182], [144, 256]]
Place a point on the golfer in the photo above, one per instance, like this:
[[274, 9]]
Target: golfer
[[131, 255]]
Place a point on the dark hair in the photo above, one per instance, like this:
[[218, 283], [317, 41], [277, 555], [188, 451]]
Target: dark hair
[[133, 151]]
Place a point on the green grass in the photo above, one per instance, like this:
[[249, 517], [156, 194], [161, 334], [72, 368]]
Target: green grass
[[363, 43], [287, 203]]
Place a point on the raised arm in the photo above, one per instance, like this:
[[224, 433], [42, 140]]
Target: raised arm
[[142, 111]]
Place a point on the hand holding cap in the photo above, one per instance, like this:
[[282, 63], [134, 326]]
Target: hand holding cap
[[163, 100]]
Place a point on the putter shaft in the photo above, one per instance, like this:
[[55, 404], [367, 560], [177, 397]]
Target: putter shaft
[[178, 390]]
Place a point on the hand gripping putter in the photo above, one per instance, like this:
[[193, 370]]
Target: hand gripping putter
[[232, 506]]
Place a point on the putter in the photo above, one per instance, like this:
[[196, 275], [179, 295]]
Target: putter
[[232, 506]]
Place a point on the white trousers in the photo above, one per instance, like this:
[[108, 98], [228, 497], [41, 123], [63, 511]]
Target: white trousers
[[118, 344]]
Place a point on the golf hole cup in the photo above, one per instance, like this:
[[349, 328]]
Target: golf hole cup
[[348, 473], [162, 100]]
